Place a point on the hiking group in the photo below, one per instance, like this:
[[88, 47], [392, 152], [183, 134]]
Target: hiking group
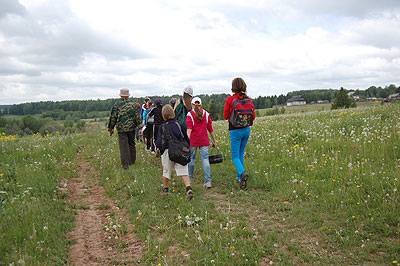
[[176, 130]]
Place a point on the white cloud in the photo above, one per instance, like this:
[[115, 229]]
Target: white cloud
[[59, 49]]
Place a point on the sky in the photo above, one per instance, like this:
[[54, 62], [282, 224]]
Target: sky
[[53, 50]]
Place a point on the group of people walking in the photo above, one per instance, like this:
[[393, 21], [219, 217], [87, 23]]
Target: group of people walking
[[180, 121]]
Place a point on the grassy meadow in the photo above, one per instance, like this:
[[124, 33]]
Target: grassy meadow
[[323, 190]]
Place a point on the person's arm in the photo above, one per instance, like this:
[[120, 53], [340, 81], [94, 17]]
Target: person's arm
[[211, 130], [113, 120], [189, 124], [227, 109], [254, 113], [214, 140]]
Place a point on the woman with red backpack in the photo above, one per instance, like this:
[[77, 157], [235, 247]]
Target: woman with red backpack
[[239, 111]]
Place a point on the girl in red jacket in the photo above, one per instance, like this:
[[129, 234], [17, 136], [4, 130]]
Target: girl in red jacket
[[239, 130], [198, 122]]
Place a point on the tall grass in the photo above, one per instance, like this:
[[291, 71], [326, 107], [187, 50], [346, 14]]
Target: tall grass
[[34, 218], [323, 189]]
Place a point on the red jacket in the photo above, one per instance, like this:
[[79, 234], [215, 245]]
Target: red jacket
[[199, 137], [229, 107]]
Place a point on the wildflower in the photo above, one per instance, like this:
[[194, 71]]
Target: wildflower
[[244, 228], [395, 261], [353, 217], [358, 186], [45, 228]]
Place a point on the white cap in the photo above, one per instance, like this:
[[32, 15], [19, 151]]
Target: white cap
[[196, 99], [189, 90]]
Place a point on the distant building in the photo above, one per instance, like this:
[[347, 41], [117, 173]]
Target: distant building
[[354, 95], [394, 96], [296, 100]]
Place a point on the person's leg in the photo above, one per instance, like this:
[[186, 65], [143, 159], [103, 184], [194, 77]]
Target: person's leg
[[152, 138], [124, 149], [235, 151], [148, 139], [167, 167], [137, 133], [132, 147], [243, 143], [245, 137], [206, 164], [182, 171], [165, 184], [193, 151], [155, 134]]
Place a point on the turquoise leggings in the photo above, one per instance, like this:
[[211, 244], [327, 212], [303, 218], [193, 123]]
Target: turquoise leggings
[[239, 138]]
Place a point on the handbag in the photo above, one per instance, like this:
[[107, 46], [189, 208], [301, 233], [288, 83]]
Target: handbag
[[218, 158], [178, 150]]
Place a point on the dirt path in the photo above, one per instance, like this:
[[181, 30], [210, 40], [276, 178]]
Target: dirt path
[[102, 234]]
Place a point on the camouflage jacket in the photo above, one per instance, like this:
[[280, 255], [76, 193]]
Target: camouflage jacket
[[125, 116]]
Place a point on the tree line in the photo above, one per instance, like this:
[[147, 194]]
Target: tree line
[[59, 110]]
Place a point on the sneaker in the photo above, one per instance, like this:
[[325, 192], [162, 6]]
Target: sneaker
[[243, 180], [189, 195], [207, 185]]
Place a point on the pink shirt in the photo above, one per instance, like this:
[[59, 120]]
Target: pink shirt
[[199, 136]]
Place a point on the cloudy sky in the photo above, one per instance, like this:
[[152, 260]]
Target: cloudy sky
[[89, 49]]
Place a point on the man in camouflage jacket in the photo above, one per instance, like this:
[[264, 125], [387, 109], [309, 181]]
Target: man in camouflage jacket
[[125, 117]]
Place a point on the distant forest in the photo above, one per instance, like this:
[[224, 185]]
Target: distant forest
[[99, 108]]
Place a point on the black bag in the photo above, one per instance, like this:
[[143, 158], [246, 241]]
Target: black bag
[[215, 158], [178, 150], [218, 158]]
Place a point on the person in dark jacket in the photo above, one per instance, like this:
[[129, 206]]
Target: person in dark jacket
[[158, 118], [176, 131]]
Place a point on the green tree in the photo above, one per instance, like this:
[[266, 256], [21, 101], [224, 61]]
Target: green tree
[[213, 110], [343, 100]]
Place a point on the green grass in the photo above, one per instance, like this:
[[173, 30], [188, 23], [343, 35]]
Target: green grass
[[323, 189]]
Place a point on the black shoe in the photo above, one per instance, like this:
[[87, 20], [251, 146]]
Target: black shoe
[[189, 195], [243, 180], [164, 191]]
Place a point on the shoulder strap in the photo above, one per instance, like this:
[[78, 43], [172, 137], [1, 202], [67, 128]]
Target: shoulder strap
[[166, 131], [180, 130]]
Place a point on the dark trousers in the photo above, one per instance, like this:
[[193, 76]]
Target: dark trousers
[[155, 133], [148, 134], [127, 148]]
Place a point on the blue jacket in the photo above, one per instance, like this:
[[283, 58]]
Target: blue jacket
[[174, 131]]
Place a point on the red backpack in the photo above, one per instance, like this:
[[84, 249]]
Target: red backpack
[[242, 114]]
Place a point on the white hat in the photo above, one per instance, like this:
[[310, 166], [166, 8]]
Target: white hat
[[189, 90], [196, 99], [124, 92]]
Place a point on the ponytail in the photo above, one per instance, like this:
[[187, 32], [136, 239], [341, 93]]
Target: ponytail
[[199, 113]]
